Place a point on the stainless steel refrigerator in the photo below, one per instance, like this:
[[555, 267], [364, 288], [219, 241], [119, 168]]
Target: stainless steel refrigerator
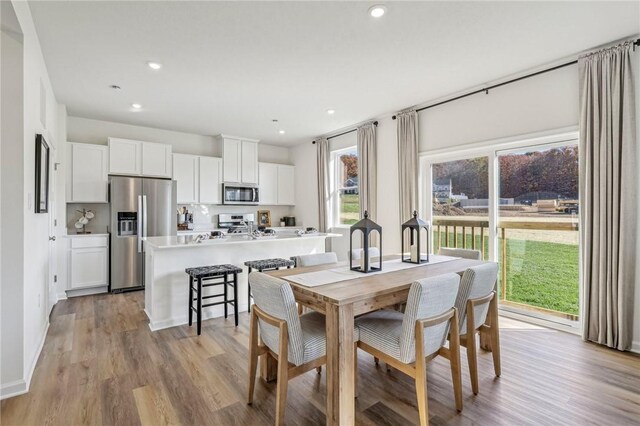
[[140, 207]]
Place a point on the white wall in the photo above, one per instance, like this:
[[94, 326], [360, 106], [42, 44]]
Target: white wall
[[11, 187], [86, 130], [35, 242]]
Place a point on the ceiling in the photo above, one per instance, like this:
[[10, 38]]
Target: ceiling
[[232, 67]]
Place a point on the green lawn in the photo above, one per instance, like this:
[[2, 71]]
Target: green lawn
[[349, 209], [538, 273]]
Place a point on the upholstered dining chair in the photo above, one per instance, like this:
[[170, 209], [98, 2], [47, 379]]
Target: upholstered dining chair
[[477, 306], [298, 343], [463, 253], [407, 341], [315, 259]]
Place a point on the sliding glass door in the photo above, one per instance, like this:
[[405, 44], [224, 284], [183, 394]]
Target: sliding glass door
[[538, 231]]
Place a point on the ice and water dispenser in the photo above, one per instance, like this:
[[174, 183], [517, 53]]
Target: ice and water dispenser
[[127, 223]]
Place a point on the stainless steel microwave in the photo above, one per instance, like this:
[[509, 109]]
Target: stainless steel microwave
[[238, 193]]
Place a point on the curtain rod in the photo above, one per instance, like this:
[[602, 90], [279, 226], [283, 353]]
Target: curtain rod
[[504, 83], [375, 123]]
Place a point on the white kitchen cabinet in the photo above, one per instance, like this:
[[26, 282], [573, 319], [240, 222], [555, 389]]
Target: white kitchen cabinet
[[239, 159], [185, 172], [277, 184], [125, 157], [286, 185], [137, 158], [210, 180], [268, 183], [231, 159], [199, 179], [88, 262], [249, 162], [156, 159], [87, 173]]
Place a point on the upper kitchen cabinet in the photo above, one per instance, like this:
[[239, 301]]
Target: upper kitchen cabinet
[[87, 170], [185, 172], [277, 184], [210, 177], [199, 179], [137, 158], [239, 159]]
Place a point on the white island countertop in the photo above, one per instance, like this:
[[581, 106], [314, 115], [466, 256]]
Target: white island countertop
[[186, 241]]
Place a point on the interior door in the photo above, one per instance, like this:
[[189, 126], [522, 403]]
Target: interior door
[[53, 265]]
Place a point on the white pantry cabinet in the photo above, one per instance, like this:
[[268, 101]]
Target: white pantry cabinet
[[199, 179], [137, 158], [277, 184], [87, 173], [88, 261], [239, 159]]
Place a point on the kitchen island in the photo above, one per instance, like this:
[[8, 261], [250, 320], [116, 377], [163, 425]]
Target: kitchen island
[[166, 283]]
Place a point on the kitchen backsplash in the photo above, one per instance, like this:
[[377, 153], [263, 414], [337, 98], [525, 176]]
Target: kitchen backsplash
[[204, 215]]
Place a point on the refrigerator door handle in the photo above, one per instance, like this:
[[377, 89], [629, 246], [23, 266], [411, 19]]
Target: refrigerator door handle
[[140, 224], [144, 215]]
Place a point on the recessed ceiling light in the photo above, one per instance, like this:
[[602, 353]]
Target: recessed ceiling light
[[136, 106], [154, 65], [331, 111], [377, 11], [281, 132]]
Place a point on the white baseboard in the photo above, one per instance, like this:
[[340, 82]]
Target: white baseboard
[[19, 387], [635, 346], [11, 389], [184, 319], [87, 291], [61, 296]]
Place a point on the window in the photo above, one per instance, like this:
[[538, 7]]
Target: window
[[346, 201]]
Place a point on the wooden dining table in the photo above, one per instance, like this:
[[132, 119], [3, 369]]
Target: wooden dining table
[[340, 302]]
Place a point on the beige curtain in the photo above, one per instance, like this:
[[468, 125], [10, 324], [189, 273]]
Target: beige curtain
[[407, 131], [322, 146], [609, 195], [367, 169]]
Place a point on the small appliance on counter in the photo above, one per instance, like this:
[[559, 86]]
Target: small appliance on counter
[[289, 221]]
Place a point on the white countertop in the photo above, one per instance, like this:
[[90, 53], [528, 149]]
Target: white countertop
[[205, 230], [188, 240], [98, 234]]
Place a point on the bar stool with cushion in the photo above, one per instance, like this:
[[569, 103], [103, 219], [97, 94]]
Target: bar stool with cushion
[[263, 266], [463, 253], [299, 343], [314, 259], [477, 306], [407, 341], [212, 276]]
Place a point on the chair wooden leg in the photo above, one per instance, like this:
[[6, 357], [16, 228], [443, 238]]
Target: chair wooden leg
[[495, 336], [253, 356], [355, 369], [454, 360], [283, 376], [421, 391], [472, 359], [319, 370], [376, 360]]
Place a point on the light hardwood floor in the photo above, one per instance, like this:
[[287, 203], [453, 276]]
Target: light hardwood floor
[[102, 365]]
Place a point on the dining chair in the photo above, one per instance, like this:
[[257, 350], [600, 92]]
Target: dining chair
[[463, 253], [407, 341], [315, 259], [298, 343], [477, 306]]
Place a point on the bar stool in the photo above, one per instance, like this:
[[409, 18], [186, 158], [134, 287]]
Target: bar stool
[[224, 275], [262, 266]]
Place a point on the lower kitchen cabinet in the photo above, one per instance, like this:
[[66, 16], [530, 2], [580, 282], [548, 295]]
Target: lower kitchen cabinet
[[88, 262]]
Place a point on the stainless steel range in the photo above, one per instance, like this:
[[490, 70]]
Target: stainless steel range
[[236, 223]]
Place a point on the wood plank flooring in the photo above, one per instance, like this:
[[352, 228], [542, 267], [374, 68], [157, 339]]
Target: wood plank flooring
[[101, 365]]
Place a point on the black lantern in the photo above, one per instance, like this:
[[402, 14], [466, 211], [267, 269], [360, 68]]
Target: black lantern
[[415, 225], [366, 226]]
